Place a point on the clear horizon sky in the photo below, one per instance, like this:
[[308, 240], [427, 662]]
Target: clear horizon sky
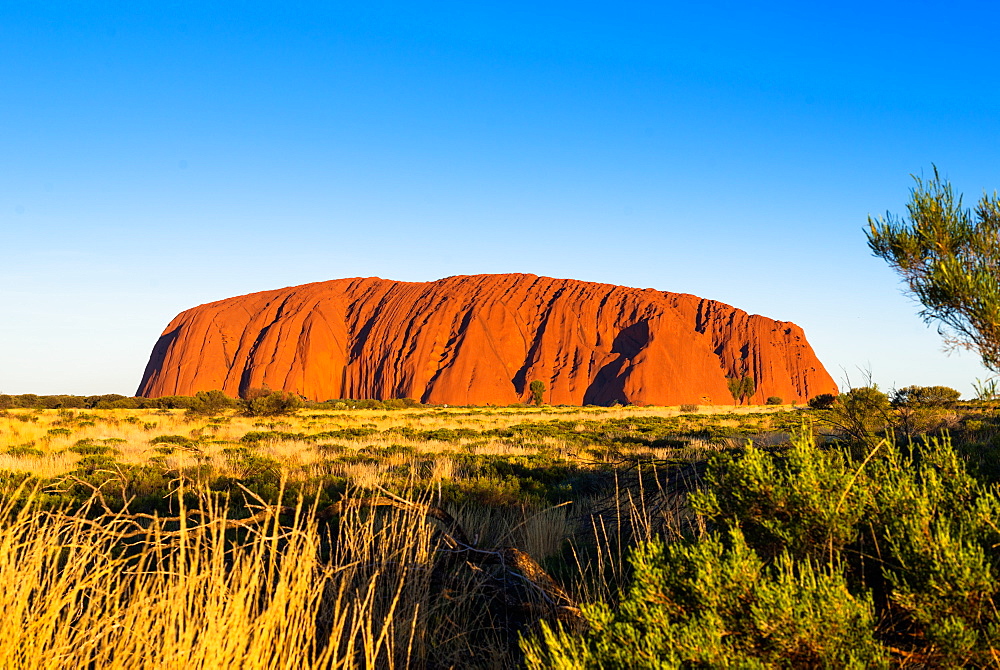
[[157, 156]]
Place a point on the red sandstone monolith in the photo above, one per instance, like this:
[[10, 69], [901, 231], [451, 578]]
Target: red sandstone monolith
[[482, 339]]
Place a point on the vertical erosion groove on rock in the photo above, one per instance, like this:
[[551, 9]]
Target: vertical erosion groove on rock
[[482, 339]]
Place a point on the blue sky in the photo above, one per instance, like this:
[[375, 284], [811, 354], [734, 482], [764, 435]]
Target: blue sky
[[156, 156]]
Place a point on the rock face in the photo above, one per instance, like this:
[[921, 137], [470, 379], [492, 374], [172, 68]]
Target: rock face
[[482, 339]]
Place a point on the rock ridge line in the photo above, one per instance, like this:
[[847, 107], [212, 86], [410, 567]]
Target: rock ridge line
[[482, 339]]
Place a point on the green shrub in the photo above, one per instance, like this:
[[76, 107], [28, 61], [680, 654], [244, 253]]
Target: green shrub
[[801, 501], [741, 388], [822, 401], [938, 530], [94, 450], [862, 415], [774, 400], [537, 388], [23, 450], [123, 403], [262, 402], [688, 408], [399, 403], [909, 523], [207, 403], [716, 603], [173, 402], [171, 439], [250, 465], [925, 396], [87, 448], [814, 557], [271, 436]]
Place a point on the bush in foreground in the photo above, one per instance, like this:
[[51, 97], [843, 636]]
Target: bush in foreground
[[814, 558], [715, 603], [262, 402]]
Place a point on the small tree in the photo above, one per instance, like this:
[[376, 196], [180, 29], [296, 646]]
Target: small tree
[[950, 260], [264, 402], [862, 414], [537, 391], [741, 388], [925, 396], [210, 402], [734, 384], [822, 401]]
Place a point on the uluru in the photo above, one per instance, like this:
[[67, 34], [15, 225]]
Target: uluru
[[482, 339]]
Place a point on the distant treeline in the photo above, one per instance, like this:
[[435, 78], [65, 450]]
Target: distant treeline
[[116, 401]]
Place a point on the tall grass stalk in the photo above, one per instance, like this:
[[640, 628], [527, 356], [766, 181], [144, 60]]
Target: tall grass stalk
[[85, 592]]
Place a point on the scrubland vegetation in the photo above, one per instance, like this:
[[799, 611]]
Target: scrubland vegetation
[[860, 531], [861, 535]]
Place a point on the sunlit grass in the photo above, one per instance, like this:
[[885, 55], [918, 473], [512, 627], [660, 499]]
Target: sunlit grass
[[42, 441], [284, 594], [190, 597]]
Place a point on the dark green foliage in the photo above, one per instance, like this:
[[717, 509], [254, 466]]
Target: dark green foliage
[[741, 388], [445, 434], [950, 261], [211, 403], [862, 414], [774, 400], [715, 603], [930, 523], [538, 478], [252, 466], [27, 449], [537, 388], [171, 402], [273, 436], [822, 401], [172, 439], [106, 401], [344, 434], [923, 409], [925, 396], [803, 503], [815, 558], [399, 403], [735, 388], [489, 492], [262, 402], [87, 448], [391, 450]]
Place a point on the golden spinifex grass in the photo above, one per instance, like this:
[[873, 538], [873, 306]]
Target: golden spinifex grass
[[126, 591], [95, 583], [41, 442]]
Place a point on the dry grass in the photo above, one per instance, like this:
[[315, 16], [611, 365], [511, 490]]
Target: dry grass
[[191, 597], [287, 595], [55, 432]]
